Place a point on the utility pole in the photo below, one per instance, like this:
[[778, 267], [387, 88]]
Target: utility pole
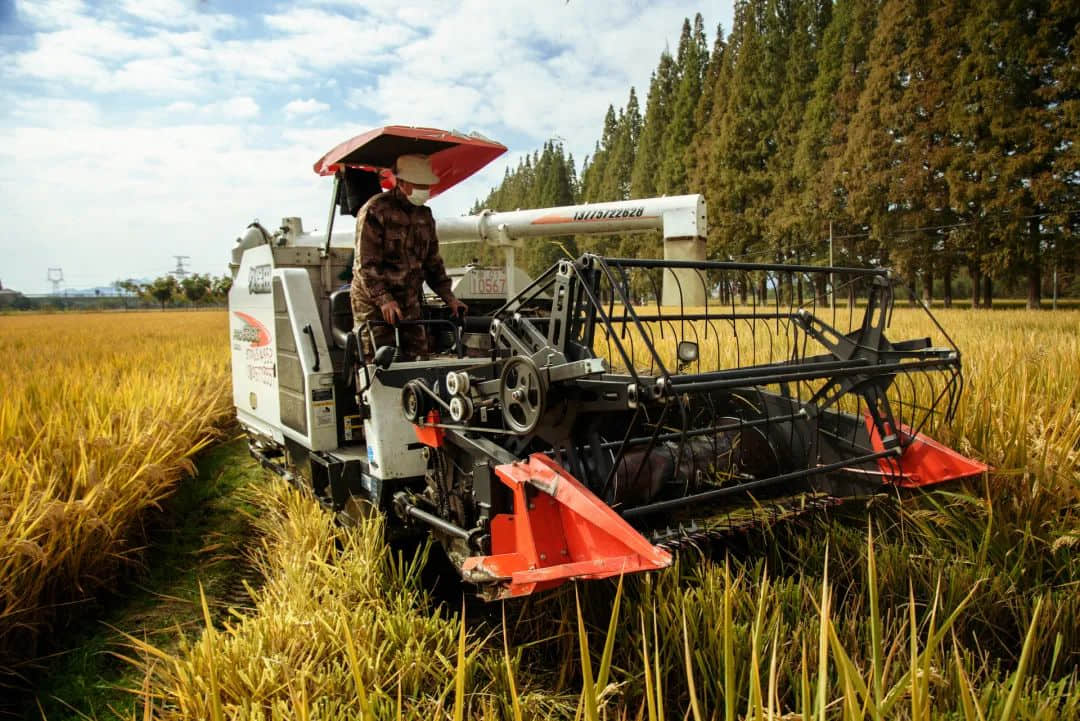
[[181, 272], [56, 277]]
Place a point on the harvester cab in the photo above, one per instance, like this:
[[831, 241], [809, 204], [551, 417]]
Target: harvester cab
[[587, 422]]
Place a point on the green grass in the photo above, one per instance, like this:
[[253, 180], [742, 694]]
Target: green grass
[[197, 539]]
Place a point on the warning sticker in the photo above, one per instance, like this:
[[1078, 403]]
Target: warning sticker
[[354, 428], [324, 413]]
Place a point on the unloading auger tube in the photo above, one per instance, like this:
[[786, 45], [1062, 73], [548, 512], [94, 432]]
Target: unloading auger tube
[[682, 220], [608, 422]]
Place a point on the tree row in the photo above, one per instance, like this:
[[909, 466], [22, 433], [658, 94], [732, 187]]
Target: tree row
[[938, 138]]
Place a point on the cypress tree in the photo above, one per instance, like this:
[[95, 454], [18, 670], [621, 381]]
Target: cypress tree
[[786, 220], [894, 179], [619, 160], [743, 135], [697, 152], [690, 71], [592, 177], [647, 159], [843, 63]]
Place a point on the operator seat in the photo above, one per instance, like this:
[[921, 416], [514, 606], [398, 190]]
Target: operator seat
[[341, 317]]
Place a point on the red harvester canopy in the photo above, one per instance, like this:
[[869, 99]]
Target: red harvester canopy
[[453, 157]]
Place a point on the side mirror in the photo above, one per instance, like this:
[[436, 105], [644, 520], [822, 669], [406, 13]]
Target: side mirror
[[687, 351], [384, 356]]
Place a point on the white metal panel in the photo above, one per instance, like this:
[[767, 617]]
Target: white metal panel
[[253, 345], [388, 434], [319, 385]]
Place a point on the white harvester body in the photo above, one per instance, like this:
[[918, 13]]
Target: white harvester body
[[503, 442]]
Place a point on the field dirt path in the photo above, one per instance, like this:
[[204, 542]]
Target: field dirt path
[[199, 538]]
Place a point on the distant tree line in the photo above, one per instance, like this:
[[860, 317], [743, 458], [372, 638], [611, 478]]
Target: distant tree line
[[939, 138], [195, 290]]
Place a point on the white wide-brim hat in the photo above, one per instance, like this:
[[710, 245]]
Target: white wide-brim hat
[[415, 169]]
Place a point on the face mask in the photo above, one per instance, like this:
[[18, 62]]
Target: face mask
[[418, 196]]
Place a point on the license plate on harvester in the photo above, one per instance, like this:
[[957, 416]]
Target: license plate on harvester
[[488, 282]]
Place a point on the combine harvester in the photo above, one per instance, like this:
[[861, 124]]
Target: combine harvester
[[585, 423]]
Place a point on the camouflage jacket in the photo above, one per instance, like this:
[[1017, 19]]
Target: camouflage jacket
[[396, 251]]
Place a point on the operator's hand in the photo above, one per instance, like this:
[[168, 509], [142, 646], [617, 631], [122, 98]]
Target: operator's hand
[[457, 308], [391, 312]]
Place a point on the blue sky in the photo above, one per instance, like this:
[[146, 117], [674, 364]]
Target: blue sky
[[134, 130]]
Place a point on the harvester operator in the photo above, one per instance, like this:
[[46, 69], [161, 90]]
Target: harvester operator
[[396, 252]]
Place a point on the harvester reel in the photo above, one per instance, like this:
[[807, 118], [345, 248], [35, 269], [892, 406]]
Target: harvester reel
[[522, 395]]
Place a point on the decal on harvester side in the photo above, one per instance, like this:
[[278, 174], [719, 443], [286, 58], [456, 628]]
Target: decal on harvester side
[[586, 215], [252, 332], [254, 339], [260, 365], [608, 214], [259, 278]]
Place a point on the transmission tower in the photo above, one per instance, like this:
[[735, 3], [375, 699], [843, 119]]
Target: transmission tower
[[56, 277], [180, 271]]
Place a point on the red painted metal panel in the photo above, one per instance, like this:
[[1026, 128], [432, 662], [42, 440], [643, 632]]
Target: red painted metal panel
[[559, 531], [453, 157], [924, 461], [428, 434]]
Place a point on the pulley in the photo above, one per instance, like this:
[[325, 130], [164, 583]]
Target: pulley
[[461, 408], [415, 403], [522, 395], [457, 383]]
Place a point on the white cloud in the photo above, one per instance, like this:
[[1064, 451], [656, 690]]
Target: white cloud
[[133, 196], [305, 107], [306, 43], [51, 14], [176, 13], [177, 113], [181, 106], [535, 68], [107, 55], [166, 148], [54, 112], [424, 101], [161, 76], [240, 108]]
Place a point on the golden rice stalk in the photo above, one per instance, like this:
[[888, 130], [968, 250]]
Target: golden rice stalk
[[100, 416]]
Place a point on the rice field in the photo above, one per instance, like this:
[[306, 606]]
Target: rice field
[[100, 417], [957, 604]]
